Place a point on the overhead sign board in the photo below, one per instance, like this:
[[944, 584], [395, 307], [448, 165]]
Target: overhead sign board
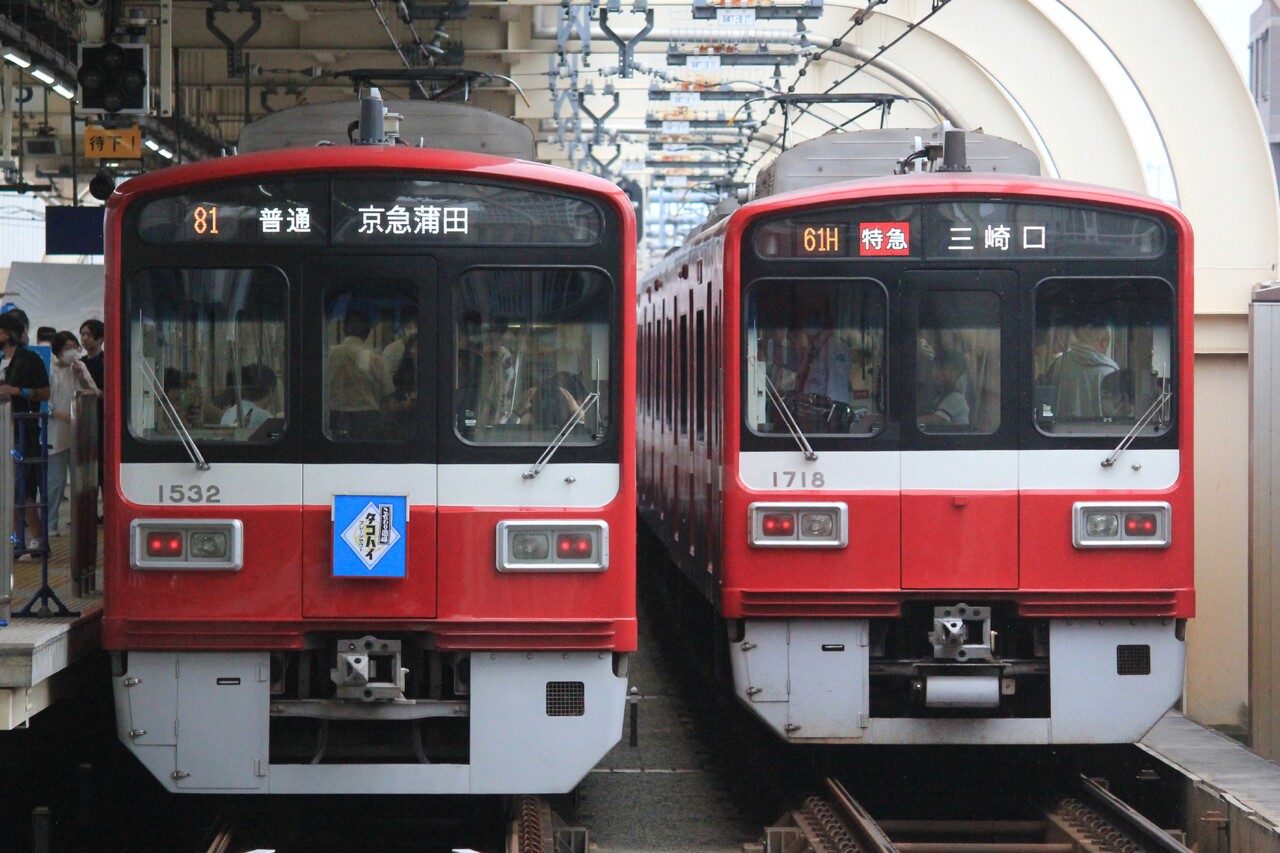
[[104, 143]]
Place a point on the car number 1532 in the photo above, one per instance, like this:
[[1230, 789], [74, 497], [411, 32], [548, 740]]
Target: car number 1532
[[193, 494]]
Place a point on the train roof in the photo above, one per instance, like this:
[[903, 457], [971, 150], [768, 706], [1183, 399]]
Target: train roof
[[331, 158], [424, 124], [878, 152]]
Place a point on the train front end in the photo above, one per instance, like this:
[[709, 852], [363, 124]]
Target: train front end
[[958, 503], [369, 514]]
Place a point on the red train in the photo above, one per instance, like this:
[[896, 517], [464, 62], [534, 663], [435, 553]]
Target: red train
[[370, 515], [922, 443]]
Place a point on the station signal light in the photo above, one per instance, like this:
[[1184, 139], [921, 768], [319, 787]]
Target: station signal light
[[113, 78]]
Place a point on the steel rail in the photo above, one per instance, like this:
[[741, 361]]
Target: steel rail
[[1131, 819], [871, 837]]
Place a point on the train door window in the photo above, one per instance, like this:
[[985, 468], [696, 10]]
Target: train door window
[[672, 365], [370, 360], [207, 353], [533, 346], [682, 370], [660, 356], [1103, 356], [958, 362], [815, 355], [700, 375]]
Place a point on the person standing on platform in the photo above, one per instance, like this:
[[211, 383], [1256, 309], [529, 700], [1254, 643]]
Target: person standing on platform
[[91, 334], [26, 382], [68, 376]]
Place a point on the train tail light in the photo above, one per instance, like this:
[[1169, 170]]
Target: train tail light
[[165, 543], [1121, 525], [553, 546], [186, 544], [799, 525]]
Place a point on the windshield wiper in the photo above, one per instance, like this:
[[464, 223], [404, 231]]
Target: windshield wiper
[[1137, 427], [171, 412], [577, 417], [788, 419]]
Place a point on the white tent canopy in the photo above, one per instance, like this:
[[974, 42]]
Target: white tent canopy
[[59, 295]]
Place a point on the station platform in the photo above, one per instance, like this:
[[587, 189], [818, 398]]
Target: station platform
[[1230, 796], [38, 653]]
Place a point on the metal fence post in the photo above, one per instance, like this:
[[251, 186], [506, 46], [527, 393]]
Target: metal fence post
[[6, 510], [84, 493]]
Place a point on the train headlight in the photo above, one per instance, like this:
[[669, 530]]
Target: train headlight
[[799, 525], [186, 544], [1142, 524], [530, 546], [553, 546], [209, 544], [1101, 525]]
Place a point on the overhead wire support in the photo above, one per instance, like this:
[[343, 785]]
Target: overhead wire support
[[399, 50], [858, 19], [626, 48]]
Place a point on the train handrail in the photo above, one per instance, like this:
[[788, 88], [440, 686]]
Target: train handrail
[[84, 492], [577, 417], [171, 412]]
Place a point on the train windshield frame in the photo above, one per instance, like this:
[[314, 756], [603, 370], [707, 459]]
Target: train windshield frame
[[320, 360], [1066, 337]]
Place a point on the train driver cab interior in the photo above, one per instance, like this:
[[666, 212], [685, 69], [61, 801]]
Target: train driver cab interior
[[815, 354], [1103, 357], [207, 355], [532, 356]]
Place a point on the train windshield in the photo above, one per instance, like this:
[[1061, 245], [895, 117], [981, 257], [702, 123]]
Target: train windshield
[[206, 354], [1103, 356], [531, 345], [817, 350]]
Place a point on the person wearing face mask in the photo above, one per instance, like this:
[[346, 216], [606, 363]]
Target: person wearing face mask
[[68, 376], [26, 382]]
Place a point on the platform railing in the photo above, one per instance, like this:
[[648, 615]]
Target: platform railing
[[83, 495], [6, 510]]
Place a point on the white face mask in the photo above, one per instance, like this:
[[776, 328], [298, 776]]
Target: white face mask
[[69, 356]]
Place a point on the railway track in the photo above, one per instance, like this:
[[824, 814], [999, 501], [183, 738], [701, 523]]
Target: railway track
[[531, 826], [1087, 820]]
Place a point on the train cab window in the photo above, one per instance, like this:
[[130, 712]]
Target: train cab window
[[958, 362], [371, 360], [815, 356], [206, 355], [1103, 356], [533, 356]]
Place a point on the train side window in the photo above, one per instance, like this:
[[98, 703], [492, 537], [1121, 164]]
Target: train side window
[[371, 360], [818, 346], [532, 345], [207, 353], [958, 362], [1103, 356]]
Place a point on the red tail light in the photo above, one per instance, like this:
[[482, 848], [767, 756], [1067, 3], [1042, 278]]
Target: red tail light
[[164, 543], [1140, 524], [576, 546], [778, 524]]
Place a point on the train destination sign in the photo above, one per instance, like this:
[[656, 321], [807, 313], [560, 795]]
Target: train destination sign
[[291, 211], [963, 231], [367, 211]]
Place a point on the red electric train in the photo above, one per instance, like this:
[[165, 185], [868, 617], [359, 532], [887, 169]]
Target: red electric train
[[921, 444], [370, 516]]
